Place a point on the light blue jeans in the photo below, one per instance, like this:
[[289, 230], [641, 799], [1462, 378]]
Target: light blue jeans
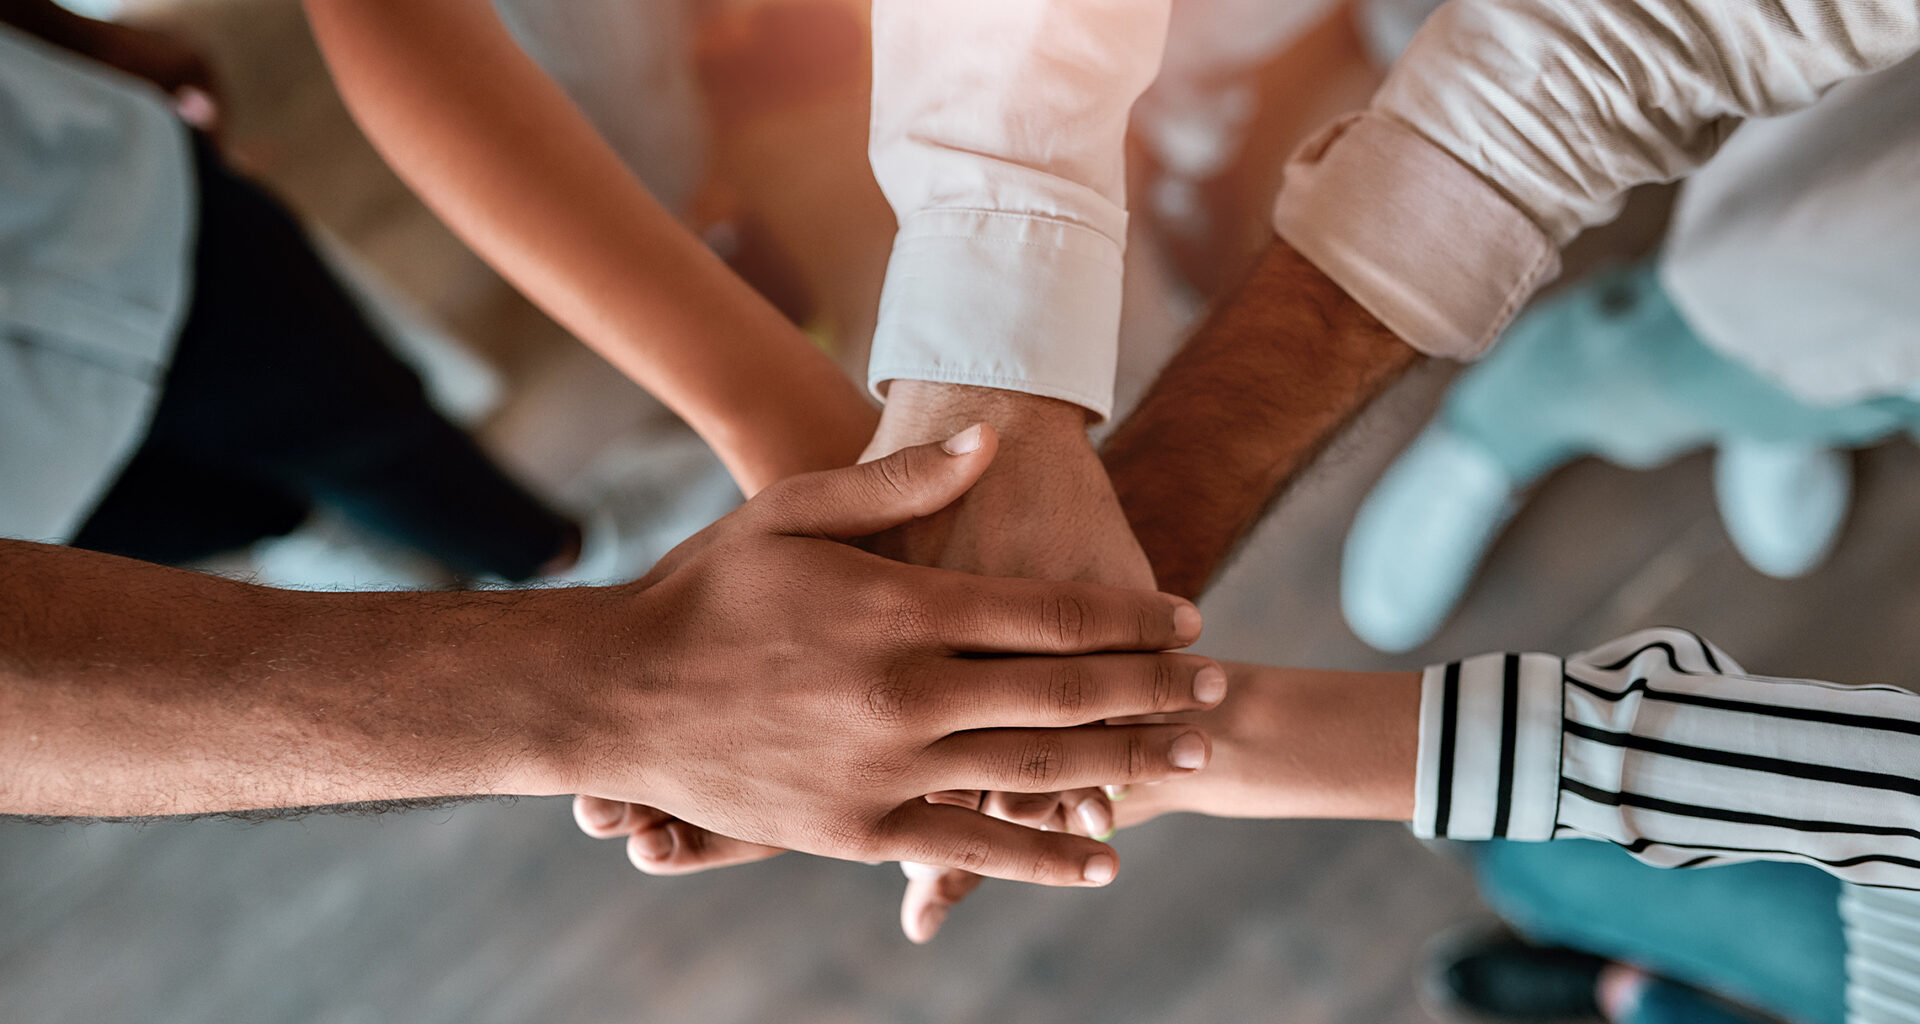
[[1765, 934]]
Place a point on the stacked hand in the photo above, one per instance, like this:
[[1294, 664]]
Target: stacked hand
[[927, 680], [1044, 510]]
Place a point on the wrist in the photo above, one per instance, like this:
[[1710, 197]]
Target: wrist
[[919, 412], [1308, 743], [509, 693], [587, 707]]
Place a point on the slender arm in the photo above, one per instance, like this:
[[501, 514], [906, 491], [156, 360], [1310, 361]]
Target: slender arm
[[1301, 743], [497, 150]]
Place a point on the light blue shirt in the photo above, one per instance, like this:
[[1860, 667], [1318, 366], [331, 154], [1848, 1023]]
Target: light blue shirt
[[97, 208]]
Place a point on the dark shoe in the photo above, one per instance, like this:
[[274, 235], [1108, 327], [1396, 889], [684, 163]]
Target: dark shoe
[[1496, 976]]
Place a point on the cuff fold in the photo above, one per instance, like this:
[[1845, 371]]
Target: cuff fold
[[1001, 300], [1489, 748], [1420, 240]]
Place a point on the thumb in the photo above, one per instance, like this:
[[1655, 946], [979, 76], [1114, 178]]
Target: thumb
[[863, 500]]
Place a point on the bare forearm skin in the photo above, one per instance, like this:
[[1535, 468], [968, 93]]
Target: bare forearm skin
[[1274, 373], [1301, 743], [1337, 744], [500, 153], [129, 689]]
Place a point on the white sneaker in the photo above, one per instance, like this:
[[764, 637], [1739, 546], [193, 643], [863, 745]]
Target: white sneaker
[[1419, 537], [643, 495], [1783, 504]]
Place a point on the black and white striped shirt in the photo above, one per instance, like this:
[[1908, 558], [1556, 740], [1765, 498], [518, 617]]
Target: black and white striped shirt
[[1661, 744]]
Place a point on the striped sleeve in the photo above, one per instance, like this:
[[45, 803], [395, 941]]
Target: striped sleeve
[[1661, 744]]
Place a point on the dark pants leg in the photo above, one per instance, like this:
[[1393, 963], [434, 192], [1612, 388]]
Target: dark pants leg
[[280, 396]]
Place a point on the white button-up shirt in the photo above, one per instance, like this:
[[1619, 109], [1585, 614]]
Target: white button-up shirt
[[96, 234], [999, 129], [1506, 127]]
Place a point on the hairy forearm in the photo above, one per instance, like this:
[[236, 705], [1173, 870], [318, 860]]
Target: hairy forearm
[[132, 689], [1278, 368], [494, 146]]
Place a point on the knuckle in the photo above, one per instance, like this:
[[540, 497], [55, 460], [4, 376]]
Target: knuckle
[[1042, 864], [1164, 690], [877, 772], [894, 474], [970, 852], [889, 700], [1136, 755], [1042, 761], [1064, 616], [1071, 687], [1147, 623], [908, 616]]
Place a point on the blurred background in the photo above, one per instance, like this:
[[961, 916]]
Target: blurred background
[[756, 134]]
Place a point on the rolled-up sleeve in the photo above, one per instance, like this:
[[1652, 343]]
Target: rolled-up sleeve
[[1659, 743], [998, 136], [1510, 125]]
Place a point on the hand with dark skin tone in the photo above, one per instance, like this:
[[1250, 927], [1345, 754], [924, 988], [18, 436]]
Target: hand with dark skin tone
[[1274, 373], [1281, 365], [130, 690], [1044, 511]]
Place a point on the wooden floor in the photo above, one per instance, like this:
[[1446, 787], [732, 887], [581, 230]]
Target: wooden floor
[[491, 913]]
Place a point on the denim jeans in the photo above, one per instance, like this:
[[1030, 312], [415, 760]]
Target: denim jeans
[[1765, 934]]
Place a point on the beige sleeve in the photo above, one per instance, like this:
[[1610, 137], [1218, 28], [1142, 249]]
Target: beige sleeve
[[1510, 125]]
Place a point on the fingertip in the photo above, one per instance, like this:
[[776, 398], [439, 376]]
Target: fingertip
[[1190, 751], [1096, 816], [650, 849], [927, 925], [1100, 869], [598, 817]]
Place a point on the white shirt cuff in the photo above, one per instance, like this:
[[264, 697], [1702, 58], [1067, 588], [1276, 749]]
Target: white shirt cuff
[[1416, 237], [1001, 300], [1489, 763]]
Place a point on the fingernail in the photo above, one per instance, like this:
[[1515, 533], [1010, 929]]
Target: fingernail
[[1098, 820], [1210, 684], [966, 441], [654, 843], [1186, 623], [1099, 869], [930, 921], [1115, 793], [1188, 752]]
